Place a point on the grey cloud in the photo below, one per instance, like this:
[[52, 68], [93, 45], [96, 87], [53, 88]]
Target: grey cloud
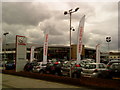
[[58, 40], [24, 13], [13, 31], [110, 7], [23, 18], [54, 27]]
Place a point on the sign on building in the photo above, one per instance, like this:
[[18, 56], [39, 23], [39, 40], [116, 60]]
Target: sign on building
[[20, 62]]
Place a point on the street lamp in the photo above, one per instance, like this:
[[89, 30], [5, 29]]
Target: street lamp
[[108, 39], [71, 28], [5, 47]]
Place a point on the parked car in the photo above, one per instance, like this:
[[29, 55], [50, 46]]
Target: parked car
[[95, 70], [71, 68], [114, 68], [39, 67], [51, 68], [86, 61], [10, 65], [105, 61], [1, 67], [54, 68], [29, 66]]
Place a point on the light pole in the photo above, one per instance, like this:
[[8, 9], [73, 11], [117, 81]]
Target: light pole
[[71, 28], [108, 39], [5, 48]]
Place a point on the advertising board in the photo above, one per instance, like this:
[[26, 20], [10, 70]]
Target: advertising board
[[20, 61]]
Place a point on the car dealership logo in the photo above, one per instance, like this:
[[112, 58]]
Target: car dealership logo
[[21, 40]]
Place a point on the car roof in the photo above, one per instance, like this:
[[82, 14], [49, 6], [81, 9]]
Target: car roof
[[96, 63], [115, 61]]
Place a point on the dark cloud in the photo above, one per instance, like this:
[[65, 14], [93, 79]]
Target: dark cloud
[[34, 19], [24, 13]]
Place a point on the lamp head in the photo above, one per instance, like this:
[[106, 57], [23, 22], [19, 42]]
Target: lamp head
[[76, 9], [65, 13], [73, 29], [6, 33]]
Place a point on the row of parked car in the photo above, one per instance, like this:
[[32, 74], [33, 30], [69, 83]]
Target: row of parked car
[[39, 67], [86, 68]]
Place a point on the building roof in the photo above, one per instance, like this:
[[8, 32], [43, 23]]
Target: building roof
[[114, 53]]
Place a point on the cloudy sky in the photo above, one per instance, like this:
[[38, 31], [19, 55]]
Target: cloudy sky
[[32, 19]]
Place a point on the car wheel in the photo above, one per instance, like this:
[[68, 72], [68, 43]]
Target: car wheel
[[100, 76], [74, 75], [56, 73], [41, 72]]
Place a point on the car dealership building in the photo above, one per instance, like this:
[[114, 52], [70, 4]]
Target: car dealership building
[[54, 51]]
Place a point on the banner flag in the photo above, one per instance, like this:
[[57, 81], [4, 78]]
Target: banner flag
[[45, 49], [32, 53], [97, 53], [80, 34]]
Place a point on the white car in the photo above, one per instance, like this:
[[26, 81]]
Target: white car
[[39, 67], [95, 70]]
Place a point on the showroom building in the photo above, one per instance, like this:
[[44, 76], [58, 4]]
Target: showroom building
[[54, 51]]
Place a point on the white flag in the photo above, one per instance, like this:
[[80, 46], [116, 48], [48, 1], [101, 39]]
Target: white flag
[[80, 34], [97, 53], [45, 49], [32, 53]]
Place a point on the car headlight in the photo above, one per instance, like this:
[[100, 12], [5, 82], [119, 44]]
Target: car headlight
[[94, 73]]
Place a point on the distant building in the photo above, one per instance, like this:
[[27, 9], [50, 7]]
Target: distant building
[[110, 56], [86, 52], [54, 51], [114, 55]]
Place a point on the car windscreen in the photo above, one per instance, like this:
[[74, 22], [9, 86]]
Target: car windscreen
[[90, 66], [115, 66], [101, 66], [111, 62], [43, 64]]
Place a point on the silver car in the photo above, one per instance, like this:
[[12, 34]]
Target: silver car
[[86, 61], [39, 67], [95, 70], [71, 68]]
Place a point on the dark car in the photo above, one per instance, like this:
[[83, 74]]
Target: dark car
[[52, 68], [10, 65], [71, 69], [114, 68], [29, 66]]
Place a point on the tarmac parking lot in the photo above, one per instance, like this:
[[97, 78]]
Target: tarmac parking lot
[[11, 81]]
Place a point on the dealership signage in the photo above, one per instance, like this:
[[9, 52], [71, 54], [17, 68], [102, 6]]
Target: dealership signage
[[98, 53], [80, 35], [32, 53], [20, 61], [45, 49]]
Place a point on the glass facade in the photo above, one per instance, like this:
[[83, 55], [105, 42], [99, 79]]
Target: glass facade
[[57, 52], [53, 52]]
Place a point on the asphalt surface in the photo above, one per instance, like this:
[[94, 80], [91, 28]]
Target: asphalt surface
[[11, 81]]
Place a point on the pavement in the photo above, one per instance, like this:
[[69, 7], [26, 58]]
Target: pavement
[[11, 81]]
